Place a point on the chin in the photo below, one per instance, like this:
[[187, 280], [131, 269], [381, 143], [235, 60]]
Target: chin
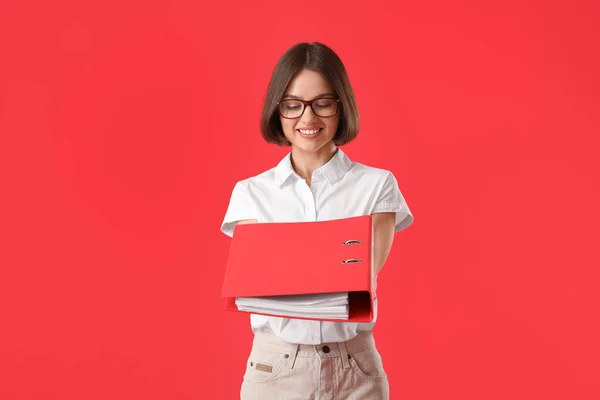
[[309, 145]]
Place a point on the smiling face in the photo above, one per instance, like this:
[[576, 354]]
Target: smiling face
[[310, 132]]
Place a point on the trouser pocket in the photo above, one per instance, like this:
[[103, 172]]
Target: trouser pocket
[[264, 365], [368, 364]]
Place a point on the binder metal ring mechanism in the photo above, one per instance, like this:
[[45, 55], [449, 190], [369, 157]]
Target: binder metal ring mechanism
[[261, 264]]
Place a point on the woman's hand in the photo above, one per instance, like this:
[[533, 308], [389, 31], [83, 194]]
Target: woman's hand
[[247, 221]]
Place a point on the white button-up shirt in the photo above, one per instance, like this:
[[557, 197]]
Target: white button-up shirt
[[339, 189]]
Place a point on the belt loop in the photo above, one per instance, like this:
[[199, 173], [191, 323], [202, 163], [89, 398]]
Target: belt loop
[[292, 356], [345, 355]]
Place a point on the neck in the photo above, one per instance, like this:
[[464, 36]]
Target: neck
[[306, 162]]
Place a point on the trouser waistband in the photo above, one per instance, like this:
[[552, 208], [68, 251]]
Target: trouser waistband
[[268, 341]]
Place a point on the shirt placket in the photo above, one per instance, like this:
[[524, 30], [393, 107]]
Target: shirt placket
[[310, 201], [310, 207]]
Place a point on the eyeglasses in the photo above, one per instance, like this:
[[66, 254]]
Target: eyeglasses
[[294, 108]]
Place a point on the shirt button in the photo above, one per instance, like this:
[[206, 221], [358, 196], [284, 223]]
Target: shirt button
[[326, 349]]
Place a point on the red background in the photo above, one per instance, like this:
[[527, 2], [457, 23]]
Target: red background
[[124, 126]]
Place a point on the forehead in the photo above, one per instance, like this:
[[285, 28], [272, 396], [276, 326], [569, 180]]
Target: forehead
[[307, 84]]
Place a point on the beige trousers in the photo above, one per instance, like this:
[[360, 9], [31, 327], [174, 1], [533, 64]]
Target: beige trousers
[[351, 370]]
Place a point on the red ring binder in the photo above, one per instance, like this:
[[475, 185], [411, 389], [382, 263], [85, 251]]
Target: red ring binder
[[262, 263]]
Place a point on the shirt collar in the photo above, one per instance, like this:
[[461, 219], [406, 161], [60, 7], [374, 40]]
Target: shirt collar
[[333, 170]]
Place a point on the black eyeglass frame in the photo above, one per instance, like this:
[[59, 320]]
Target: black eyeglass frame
[[309, 103]]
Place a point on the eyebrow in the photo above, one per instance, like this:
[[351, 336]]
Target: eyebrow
[[292, 96]]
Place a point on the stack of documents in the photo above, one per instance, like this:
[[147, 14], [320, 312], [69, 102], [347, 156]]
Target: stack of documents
[[322, 305]]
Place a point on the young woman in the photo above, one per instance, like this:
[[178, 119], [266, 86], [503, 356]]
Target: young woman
[[310, 106]]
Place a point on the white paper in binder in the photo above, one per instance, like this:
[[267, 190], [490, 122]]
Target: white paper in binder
[[322, 305]]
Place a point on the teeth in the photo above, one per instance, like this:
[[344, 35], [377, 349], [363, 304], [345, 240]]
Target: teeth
[[308, 131]]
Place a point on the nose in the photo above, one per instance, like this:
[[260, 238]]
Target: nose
[[308, 115]]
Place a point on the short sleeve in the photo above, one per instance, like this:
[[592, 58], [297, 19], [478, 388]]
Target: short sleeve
[[390, 199], [240, 207]]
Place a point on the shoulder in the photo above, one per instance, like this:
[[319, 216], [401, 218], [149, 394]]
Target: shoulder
[[246, 196], [373, 181], [372, 173], [258, 182]]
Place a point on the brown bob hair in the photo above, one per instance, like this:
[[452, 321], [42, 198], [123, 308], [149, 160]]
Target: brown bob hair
[[320, 58]]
